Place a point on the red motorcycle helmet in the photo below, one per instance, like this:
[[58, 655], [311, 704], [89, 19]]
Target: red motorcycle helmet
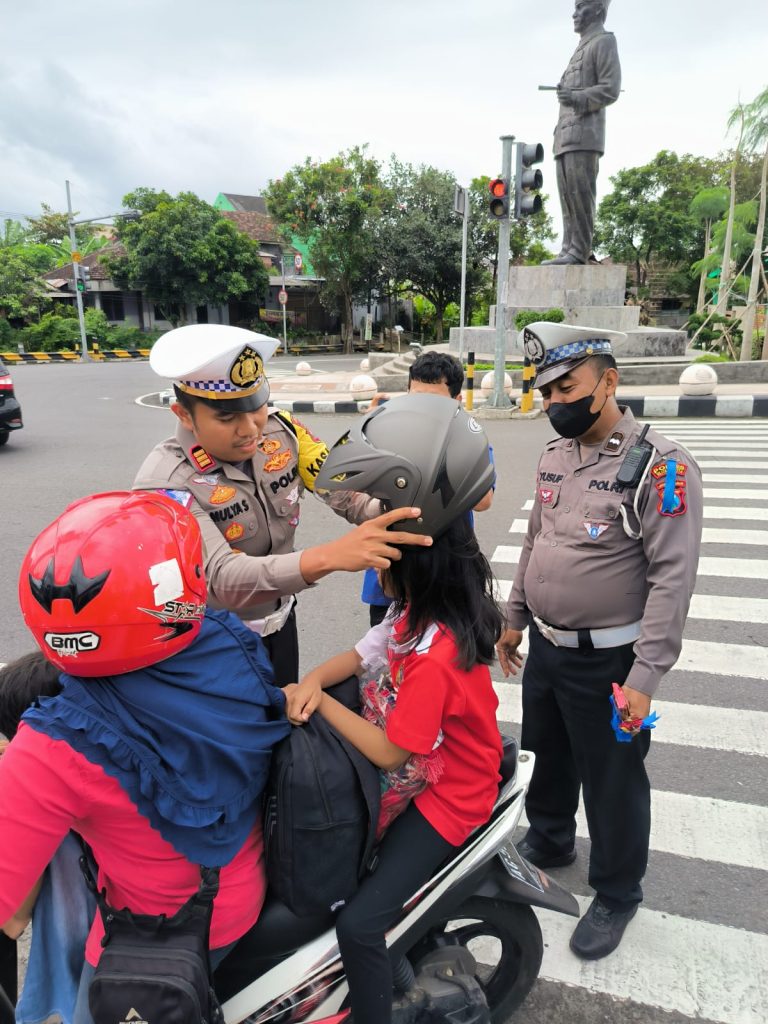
[[115, 583]]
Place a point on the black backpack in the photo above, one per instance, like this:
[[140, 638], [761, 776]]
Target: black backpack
[[320, 814], [155, 969]]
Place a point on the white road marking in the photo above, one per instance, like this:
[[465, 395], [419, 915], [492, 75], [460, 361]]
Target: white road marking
[[725, 451], [735, 568], [733, 512], [756, 479], [703, 606], [728, 609], [734, 494], [687, 725], [519, 526], [527, 505], [710, 536], [704, 971], [745, 661], [504, 553], [702, 827], [733, 465]]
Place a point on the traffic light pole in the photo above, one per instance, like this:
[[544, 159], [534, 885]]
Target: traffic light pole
[[498, 399], [76, 279]]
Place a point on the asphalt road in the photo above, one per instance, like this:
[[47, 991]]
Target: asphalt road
[[698, 949]]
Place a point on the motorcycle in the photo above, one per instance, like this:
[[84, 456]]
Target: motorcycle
[[466, 949]]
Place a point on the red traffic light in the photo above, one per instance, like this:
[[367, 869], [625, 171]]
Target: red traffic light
[[498, 206]]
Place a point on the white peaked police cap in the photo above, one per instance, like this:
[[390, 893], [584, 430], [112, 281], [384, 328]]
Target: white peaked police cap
[[556, 349], [216, 362]]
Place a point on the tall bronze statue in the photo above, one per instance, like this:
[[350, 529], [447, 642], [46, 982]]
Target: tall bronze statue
[[589, 84]]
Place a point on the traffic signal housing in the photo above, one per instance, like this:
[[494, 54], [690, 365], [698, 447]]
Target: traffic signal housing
[[498, 204], [83, 277], [528, 179]]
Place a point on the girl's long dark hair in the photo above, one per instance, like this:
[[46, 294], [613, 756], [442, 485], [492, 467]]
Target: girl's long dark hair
[[450, 582]]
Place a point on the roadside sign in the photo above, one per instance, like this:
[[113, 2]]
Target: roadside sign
[[76, 257], [459, 200], [298, 262], [282, 296], [368, 326]]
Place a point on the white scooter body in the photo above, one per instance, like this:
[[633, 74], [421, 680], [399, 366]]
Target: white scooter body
[[308, 985]]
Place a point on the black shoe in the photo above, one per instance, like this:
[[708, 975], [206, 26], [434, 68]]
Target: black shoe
[[545, 860], [600, 931]]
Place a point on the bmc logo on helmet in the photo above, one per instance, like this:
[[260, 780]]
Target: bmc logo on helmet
[[72, 643]]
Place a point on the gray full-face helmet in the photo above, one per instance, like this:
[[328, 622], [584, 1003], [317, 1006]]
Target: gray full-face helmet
[[420, 450]]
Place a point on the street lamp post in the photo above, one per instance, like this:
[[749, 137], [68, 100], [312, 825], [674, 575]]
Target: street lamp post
[[77, 276]]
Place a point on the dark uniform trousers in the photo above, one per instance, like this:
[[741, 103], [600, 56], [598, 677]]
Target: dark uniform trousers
[[283, 650], [567, 724]]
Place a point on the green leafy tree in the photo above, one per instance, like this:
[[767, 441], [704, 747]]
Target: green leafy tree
[[647, 215], [335, 206], [12, 233], [22, 295], [49, 227], [182, 251], [424, 236]]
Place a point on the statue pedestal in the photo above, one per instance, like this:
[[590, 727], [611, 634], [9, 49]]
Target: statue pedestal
[[592, 295]]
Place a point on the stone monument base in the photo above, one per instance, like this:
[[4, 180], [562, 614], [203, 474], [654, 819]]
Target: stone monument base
[[591, 295]]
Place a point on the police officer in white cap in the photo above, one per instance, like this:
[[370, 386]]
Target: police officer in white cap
[[242, 469], [603, 585]]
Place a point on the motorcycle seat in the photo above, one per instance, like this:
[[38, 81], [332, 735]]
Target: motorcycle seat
[[277, 934], [510, 750]]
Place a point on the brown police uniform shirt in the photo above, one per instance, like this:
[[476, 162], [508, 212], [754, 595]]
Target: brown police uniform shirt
[[580, 570], [248, 513]]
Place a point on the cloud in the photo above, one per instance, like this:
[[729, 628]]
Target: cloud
[[223, 98]]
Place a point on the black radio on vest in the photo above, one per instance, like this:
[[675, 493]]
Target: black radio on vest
[[635, 461]]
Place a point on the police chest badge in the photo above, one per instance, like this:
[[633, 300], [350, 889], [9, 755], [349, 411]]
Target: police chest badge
[[595, 530], [247, 370], [547, 496]]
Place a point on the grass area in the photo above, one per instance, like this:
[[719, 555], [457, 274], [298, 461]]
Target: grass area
[[489, 366]]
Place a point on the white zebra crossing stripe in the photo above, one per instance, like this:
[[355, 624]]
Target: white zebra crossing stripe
[[710, 536], [728, 609], [704, 828], [726, 451], [703, 606], [734, 494], [504, 553], [746, 568], [757, 479], [705, 971], [527, 505], [744, 661], [687, 725], [733, 512], [733, 465], [519, 526]]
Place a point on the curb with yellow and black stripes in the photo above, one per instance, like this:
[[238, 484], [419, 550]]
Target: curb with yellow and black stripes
[[96, 355]]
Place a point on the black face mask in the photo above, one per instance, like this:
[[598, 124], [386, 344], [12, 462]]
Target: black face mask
[[572, 419]]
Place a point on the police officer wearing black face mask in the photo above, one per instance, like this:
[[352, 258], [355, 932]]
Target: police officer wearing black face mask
[[604, 581]]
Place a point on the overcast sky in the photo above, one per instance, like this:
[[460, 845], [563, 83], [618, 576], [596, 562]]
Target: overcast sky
[[222, 97]]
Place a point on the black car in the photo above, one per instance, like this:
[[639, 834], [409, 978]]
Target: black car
[[10, 410]]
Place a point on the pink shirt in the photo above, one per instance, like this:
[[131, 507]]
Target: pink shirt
[[47, 788]]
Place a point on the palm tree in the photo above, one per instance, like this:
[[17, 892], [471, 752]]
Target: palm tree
[[708, 205], [755, 138], [737, 117]]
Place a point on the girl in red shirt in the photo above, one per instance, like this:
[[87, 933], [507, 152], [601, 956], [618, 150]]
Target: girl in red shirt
[[441, 710]]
